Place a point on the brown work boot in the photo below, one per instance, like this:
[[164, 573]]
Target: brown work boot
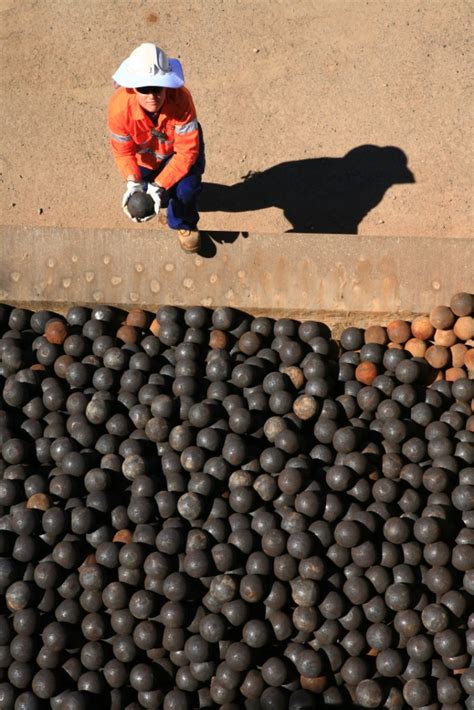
[[189, 240]]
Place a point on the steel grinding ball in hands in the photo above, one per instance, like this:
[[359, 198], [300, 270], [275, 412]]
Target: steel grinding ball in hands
[[141, 205]]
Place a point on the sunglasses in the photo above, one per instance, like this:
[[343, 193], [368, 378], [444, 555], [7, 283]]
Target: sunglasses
[[150, 89]]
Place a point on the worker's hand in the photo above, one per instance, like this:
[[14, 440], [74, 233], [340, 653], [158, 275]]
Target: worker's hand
[[159, 195], [132, 186]]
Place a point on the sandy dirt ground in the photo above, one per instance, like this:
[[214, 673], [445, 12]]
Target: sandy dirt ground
[[347, 116]]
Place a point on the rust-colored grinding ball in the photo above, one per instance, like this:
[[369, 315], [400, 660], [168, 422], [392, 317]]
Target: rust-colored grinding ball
[[442, 317], [127, 334], [366, 372], [137, 318], [469, 359], [39, 501], [295, 374], [462, 304], [141, 205], [457, 354], [218, 339], [376, 334], [155, 328], [422, 328], [273, 427], [395, 346], [416, 347], [123, 535], [445, 337], [437, 356], [305, 406], [399, 331], [454, 373], [464, 328], [55, 331]]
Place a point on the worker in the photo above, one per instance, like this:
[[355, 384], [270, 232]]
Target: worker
[[156, 139]]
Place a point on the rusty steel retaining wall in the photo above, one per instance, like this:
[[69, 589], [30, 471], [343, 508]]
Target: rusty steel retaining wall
[[335, 277]]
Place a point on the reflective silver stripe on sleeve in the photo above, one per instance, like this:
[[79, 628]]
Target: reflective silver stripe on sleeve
[[187, 127], [121, 139]]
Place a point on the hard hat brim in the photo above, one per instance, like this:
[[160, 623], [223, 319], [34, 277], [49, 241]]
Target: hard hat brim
[[171, 80]]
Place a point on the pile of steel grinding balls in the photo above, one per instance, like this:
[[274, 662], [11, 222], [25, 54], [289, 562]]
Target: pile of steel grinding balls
[[208, 509]]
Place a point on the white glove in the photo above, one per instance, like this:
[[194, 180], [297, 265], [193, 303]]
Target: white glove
[[132, 186], [156, 192]]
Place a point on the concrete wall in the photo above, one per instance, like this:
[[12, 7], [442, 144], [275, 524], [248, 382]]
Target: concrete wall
[[337, 278]]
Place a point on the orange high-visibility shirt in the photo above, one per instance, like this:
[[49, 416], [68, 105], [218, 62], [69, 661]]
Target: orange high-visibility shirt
[[137, 142]]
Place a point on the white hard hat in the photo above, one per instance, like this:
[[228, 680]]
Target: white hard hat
[[148, 65]]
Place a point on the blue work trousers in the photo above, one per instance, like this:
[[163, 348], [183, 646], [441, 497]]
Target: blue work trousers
[[182, 206]]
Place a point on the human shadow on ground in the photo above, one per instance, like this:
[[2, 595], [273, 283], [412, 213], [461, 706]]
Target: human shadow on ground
[[210, 239], [326, 195]]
